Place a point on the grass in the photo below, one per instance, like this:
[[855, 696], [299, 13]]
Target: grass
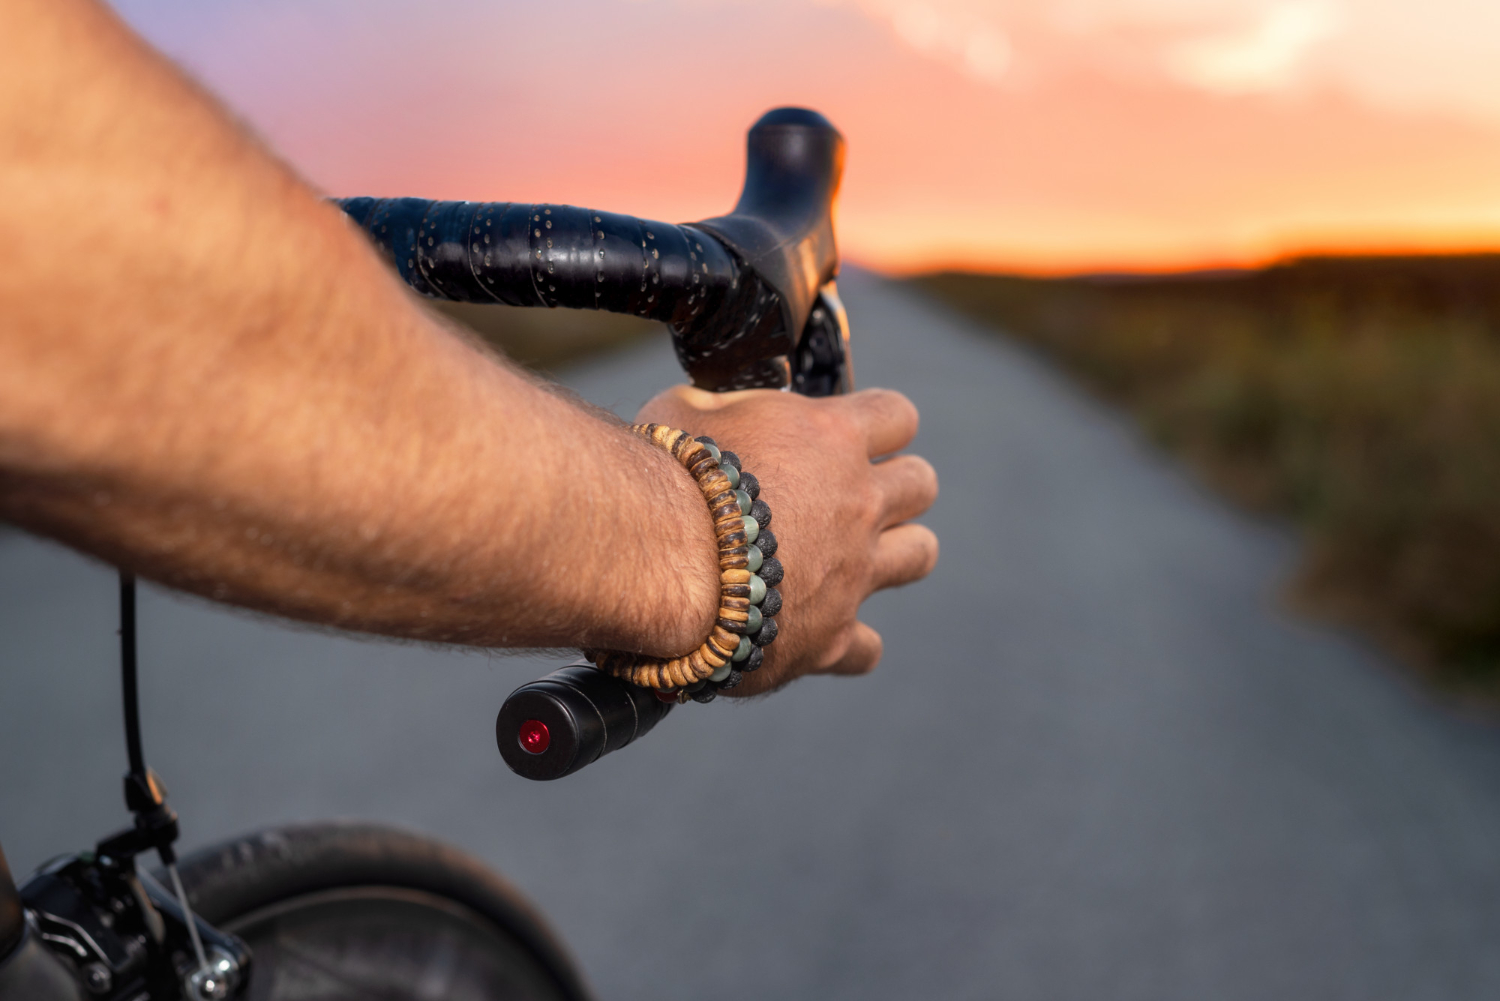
[[1359, 396]]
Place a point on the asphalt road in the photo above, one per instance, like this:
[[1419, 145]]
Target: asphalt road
[[1097, 763]]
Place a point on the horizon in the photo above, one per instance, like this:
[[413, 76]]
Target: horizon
[[1086, 136]]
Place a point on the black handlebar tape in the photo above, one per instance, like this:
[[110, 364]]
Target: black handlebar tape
[[571, 718], [725, 321], [736, 291]]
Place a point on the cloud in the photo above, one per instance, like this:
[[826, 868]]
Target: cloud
[[1269, 55], [951, 31]]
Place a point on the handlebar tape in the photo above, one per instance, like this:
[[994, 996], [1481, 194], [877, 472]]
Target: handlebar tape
[[736, 290], [577, 258], [558, 724]]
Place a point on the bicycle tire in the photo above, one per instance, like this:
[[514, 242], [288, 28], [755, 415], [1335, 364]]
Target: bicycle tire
[[343, 910]]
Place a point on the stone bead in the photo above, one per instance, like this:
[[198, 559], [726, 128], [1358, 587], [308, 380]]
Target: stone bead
[[753, 621], [733, 474], [704, 695], [720, 673], [757, 590], [743, 650], [753, 559], [735, 677], [704, 439], [761, 512], [713, 450], [744, 501], [729, 459], [770, 571], [753, 662], [697, 685], [767, 634], [766, 543], [749, 484], [752, 528], [771, 606]]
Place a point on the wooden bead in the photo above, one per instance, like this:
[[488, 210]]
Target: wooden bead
[[649, 676], [735, 576], [735, 591], [729, 607], [738, 561], [686, 451], [713, 482], [723, 641]]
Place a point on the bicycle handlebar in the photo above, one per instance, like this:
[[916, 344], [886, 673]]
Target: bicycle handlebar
[[736, 290], [750, 301]]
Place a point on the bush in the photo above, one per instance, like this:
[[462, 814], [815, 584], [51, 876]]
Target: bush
[[1359, 396]]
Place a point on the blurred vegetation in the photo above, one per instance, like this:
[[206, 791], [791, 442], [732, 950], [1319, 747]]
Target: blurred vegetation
[[548, 340], [1361, 396]]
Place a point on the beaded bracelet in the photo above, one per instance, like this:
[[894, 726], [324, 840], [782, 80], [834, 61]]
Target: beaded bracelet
[[748, 574]]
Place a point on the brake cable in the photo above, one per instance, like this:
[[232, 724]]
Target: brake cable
[[146, 798]]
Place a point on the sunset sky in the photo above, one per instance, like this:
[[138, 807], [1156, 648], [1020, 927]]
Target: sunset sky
[[1042, 136]]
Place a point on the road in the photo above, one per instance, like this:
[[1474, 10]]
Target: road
[[1098, 761]]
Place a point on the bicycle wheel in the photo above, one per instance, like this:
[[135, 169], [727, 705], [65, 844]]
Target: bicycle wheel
[[346, 911]]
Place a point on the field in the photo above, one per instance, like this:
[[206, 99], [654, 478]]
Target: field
[[1358, 396]]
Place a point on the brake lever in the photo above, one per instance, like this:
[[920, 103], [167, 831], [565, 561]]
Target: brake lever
[[821, 363]]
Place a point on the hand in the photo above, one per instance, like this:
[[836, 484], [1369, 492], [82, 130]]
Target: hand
[[842, 521]]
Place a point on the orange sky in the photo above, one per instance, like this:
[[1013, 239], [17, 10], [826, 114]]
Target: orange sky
[[1068, 135]]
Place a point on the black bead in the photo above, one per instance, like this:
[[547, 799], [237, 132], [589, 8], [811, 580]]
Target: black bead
[[766, 636], [771, 604], [704, 439], [729, 459], [752, 662], [761, 512], [749, 484], [766, 542], [770, 572], [704, 694], [735, 677], [697, 686]]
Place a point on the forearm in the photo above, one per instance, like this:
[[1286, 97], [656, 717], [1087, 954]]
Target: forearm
[[224, 390]]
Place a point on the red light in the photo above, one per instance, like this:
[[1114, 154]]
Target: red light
[[534, 736]]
